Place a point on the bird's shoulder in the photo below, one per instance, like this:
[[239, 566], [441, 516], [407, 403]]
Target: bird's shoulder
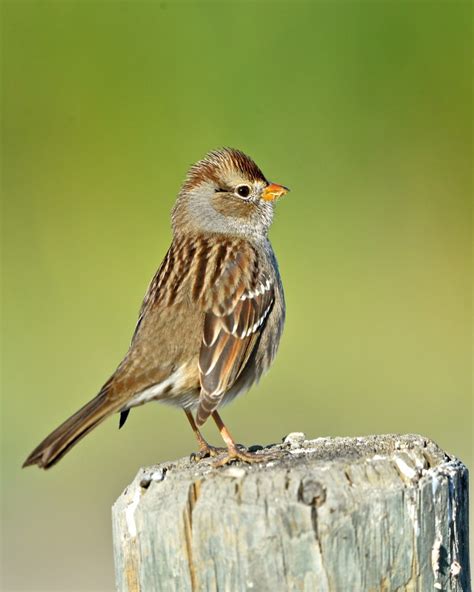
[[205, 271]]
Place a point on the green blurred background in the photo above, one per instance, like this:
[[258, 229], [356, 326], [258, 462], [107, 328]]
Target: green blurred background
[[363, 109]]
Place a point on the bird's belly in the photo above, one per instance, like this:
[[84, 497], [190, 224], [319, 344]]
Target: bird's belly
[[179, 389]]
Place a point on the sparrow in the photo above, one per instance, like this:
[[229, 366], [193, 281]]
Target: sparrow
[[212, 317]]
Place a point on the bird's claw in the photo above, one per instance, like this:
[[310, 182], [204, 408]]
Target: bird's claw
[[243, 455], [206, 452]]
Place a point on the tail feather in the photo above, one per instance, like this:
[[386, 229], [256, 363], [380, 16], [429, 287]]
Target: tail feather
[[63, 438]]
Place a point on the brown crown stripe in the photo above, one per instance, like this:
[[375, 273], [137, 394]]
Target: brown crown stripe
[[205, 169], [245, 164]]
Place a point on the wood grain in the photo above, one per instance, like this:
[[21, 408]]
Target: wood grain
[[377, 513]]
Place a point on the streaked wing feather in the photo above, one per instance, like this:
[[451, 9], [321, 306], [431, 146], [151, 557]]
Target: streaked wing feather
[[230, 333]]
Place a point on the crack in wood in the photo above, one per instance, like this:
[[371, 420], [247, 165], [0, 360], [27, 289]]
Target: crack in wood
[[193, 495]]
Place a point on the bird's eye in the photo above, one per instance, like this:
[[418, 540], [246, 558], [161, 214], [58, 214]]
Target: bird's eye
[[243, 190]]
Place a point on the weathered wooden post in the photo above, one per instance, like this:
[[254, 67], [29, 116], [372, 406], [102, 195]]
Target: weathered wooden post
[[379, 513]]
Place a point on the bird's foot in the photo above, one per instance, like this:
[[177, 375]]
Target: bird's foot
[[241, 454], [207, 451]]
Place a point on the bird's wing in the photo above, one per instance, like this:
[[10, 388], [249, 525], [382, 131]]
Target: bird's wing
[[209, 299], [167, 284], [244, 296], [163, 340]]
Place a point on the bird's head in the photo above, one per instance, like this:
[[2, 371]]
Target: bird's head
[[226, 192]]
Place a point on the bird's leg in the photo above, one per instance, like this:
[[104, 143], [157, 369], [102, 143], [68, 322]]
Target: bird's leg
[[205, 449], [233, 451]]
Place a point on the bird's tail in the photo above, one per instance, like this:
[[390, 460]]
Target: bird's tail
[[63, 438]]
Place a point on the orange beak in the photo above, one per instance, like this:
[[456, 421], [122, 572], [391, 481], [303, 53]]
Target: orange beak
[[273, 191]]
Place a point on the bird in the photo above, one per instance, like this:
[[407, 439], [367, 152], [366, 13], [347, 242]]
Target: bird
[[212, 318]]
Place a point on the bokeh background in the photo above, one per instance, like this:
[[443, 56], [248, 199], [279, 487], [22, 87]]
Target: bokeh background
[[363, 109]]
